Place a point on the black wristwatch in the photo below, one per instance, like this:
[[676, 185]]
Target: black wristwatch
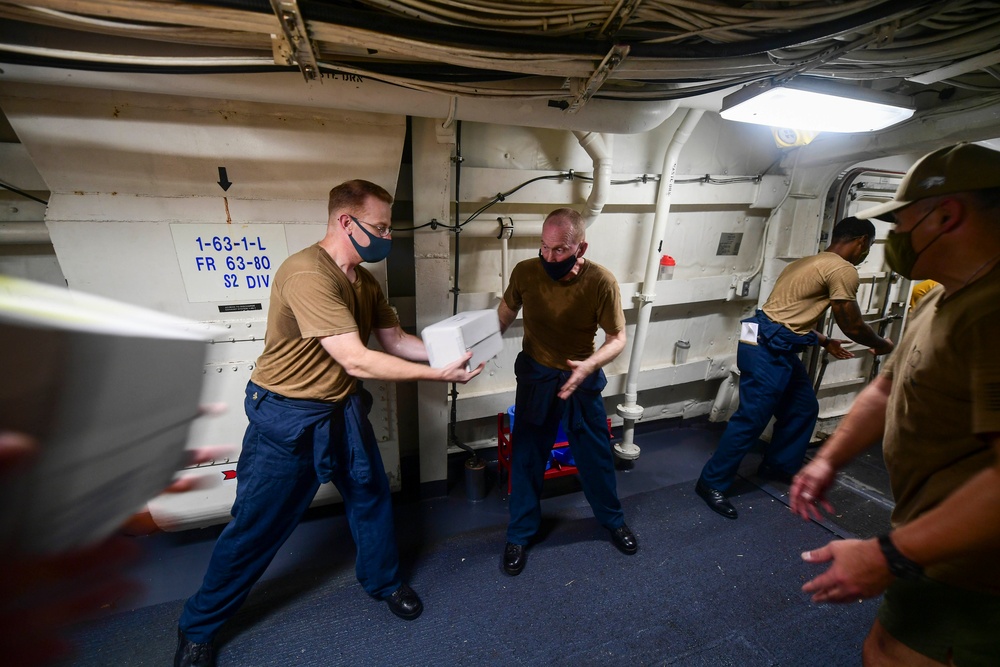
[[899, 565]]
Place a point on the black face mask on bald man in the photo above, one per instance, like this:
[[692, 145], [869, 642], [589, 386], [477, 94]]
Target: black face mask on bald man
[[557, 270]]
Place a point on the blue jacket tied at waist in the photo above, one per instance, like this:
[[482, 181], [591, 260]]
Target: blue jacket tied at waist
[[544, 383], [778, 337], [345, 420]]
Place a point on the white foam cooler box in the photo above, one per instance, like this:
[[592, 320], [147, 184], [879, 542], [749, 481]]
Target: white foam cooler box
[[450, 339]]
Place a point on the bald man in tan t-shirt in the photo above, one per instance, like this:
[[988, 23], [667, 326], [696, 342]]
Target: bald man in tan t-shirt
[[559, 378]]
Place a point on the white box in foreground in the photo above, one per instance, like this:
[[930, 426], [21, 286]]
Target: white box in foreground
[[450, 339], [108, 390]]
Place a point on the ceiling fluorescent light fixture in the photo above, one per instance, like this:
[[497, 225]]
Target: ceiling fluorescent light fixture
[[820, 105]]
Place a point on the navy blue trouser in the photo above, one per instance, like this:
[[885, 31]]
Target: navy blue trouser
[[539, 410], [276, 482], [772, 383]]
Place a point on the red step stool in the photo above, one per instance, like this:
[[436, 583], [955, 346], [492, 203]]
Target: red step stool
[[555, 469]]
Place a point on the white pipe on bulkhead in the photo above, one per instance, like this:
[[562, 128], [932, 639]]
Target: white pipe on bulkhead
[[631, 411], [598, 147], [504, 264], [524, 225], [24, 233]]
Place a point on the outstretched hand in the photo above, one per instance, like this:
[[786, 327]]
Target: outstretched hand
[[858, 570], [142, 523], [809, 487], [43, 596], [456, 370], [195, 457], [581, 371], [835, 346], [16, 449]]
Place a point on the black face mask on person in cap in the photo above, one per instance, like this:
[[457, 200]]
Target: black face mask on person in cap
[[899, 251]]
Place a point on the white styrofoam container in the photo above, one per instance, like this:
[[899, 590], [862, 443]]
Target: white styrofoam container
[[450, 339]]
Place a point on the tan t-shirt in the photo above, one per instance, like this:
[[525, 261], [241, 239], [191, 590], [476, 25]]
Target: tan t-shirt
[[945, 387], [312, 298], [561, 317], [807, 286]]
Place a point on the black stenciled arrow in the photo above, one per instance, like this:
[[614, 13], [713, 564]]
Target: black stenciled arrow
[[224, 182]]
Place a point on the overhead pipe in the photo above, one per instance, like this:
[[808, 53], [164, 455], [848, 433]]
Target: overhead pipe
[[24, 233], [286, 88], [630, 411], [598, 147]]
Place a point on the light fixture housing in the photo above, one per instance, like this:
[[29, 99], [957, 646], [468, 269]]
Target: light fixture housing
[[820, 105]]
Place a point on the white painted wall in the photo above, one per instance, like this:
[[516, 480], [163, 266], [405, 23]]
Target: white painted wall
[[130, 172]]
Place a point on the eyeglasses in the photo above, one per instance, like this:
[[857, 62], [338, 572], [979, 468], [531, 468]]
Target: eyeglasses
[[382, 230]]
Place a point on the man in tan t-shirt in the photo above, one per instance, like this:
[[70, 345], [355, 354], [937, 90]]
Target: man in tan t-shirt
[[936, 407], [773, 380], [308, 418], [559, 378]]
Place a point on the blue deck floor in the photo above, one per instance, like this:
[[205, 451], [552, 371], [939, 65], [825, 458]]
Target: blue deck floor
[[703, 590]]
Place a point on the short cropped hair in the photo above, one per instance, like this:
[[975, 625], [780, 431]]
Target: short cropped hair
[[852, 228], [353, 195], [578, 229]]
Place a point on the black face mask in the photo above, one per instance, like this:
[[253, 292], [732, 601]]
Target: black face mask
[[377, 249], [557, 270], [899, 252]]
